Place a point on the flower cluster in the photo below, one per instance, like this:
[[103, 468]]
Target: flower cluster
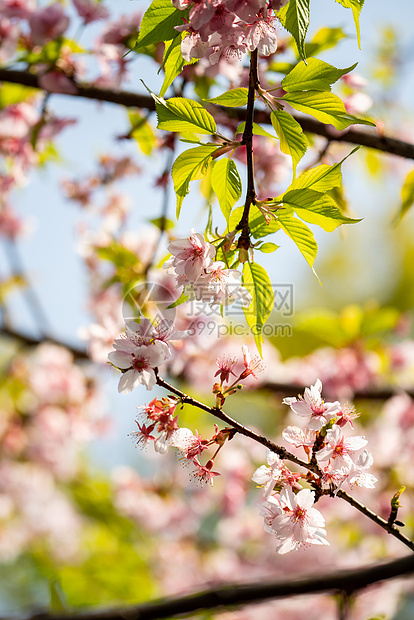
[[139, 351], [338, 460], [228, 28], [193, 266]]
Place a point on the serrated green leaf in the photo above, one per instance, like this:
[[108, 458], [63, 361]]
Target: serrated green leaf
[[257, 282], [356, 7], [183, 115], [314, 75], [293, 142], [173, 63], [296, 20], [258, 226], [234, 98], [323, 39], [190, 166], [316, 208], [158, 23], [257, 130], [226, 183], [325, 107], [407, 194], [301, 235], [268, 247], [322, 178]]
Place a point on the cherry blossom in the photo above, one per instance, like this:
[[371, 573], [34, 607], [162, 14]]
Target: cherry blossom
[[221, 286], [252, 365], [90, 10], [339, 448], [225, 365], [293, 520], [138, 363], [48, 23], [268, 476], [191, 257], [313, 406]]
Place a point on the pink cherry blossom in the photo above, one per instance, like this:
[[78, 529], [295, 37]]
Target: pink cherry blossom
[[191, 257], [203, 474], [225, 365], [268, 476], [339, 448], [313, 406], [299, 438], [90, 10], [221, 286], [138, 363], [252, 365], [48, 23], [293, 520]]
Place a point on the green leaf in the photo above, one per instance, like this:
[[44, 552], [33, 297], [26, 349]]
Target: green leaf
[[158, 23], [142, 132], [293, 142], [407, 194], [325, 107], [163, 223], [315, 75], [226, 182], [183, 115], [296, 20], [173, 63], [268, 247], [190, 166], [316, 208], [257, 130], [181, 300], [235, 98], [300, 234], [257, 223], [356, 7], [321, 178], [257, 282], [323, 39]]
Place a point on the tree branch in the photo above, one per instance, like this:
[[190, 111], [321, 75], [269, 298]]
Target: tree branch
[[370, 138], [312, 466], [235, 595], [247, 141]]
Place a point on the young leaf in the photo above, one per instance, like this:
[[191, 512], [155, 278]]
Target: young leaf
[[316, 208], [235, 98], [296, 21], [356, 7], [325, 107], [257, 130], [181, 300], [142, 132], [293, 142], [257, 282], [315, 75], [268, 247], [407, 194], [183, 115], [323, 39], [321, 178], [158, 23], [190, 166], [226, 183], [301, 235], [173, 63]]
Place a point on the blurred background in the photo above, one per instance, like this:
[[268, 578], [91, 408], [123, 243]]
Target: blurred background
[[86, 518]]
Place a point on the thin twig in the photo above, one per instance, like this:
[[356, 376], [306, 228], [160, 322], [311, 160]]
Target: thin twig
[[284, 454], [370, 138]]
